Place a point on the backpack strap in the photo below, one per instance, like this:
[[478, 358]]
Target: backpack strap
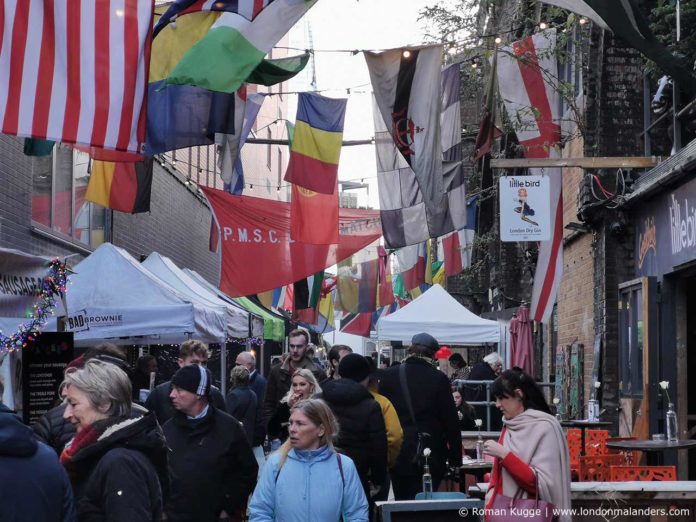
[[340, 467]]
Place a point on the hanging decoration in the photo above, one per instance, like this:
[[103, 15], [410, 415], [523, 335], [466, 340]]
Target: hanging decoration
[[53, 285], [254, 341]]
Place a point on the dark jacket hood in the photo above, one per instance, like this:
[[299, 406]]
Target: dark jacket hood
[[16, 439], [141, 434], [344, 392]]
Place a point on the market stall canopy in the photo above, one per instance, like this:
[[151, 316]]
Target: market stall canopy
[[237, 319], [439, 314], [112, 297], [272, 327]]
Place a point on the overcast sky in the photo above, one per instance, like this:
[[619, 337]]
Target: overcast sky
[[359, 25]]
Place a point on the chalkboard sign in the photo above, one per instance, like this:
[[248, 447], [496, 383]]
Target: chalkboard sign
[[43, 362]]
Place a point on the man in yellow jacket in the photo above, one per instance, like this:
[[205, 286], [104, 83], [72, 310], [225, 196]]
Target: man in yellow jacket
[[395, 435]]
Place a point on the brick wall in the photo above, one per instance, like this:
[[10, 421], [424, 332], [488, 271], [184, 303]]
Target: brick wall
[[177, 226]]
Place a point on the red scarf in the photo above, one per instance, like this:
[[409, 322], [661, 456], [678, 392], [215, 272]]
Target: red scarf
[[85, 437]]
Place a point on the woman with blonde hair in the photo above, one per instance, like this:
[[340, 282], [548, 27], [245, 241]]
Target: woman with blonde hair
[[117, 464], [304, 386], [306, 480]]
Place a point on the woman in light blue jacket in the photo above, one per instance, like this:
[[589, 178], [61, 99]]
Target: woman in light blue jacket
[[306, 480]]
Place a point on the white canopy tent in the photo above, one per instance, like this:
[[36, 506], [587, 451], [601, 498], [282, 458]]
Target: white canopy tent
[[439, 314], [256, 321], [113, 297], [166, 269]]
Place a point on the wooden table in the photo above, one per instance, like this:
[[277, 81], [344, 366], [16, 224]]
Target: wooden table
[[583, 424]]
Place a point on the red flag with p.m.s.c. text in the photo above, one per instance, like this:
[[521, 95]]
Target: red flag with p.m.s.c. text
[[258, 253]]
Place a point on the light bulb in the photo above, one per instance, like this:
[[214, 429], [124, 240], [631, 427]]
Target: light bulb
[[498, 40], [407, 53], [583, 21], [542, 26]]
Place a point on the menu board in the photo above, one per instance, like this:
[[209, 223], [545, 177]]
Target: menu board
[[44, 360]]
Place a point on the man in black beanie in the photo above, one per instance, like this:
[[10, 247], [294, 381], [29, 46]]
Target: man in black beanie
[[431, 416], [211, 464], [362, 435]]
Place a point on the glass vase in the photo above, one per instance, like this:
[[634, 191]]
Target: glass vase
[[671, 424]]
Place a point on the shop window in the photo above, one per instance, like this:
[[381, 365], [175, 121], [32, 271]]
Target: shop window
[[58, 197]]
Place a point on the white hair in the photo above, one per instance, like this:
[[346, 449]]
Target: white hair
[[493, 358]]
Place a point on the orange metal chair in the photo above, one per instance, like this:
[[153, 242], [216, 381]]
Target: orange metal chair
[[643, 473], [595, 468], [632, 457], [595, 442], [574, 437]]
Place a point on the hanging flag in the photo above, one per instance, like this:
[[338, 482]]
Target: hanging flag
[[407, 218], [626, 20], [248, 9], [121, 186], [385, 291], [407, 90], [247, 107], [326, 320], [307, 293], [278, 70], [450, 118], [63, 81], [488, 131], [356, 282], [357, 324], [526, 72], [439, 277], [315, 216], [412, 260], [457, 247], [316, 146], [234, 46], [273, 298], [257, 253]]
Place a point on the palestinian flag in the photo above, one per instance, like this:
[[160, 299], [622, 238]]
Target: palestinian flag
[[234, 46], [306, 296], [121, 186]]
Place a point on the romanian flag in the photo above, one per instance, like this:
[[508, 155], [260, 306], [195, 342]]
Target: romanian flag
[[316, 146], [121, 186]]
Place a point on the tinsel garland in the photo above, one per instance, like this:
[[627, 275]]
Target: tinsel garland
[[256, 341], [52, 285]]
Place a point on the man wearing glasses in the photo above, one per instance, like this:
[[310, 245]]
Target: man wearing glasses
[[190, 352], [280, 378]]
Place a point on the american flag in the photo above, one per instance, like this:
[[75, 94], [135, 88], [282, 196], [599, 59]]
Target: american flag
[[75, 72]]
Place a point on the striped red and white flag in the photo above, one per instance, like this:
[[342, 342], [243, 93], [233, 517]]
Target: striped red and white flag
[[76, 72], [531, 64]]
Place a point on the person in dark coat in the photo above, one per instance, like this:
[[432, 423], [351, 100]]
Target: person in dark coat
[[52, 428], [486, 370], [117, 464], [362, 434], [434, 413], [158, 402], [212, 467], [145, 366], [34, 484], [241, 401], [280, 378], [257, 383]]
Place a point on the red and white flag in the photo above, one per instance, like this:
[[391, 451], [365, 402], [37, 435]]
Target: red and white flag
[[531, 64], [75, 72]]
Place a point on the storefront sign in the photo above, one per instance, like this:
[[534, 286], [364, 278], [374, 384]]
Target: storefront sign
[[666, 231], [525, 208], [44, 361]]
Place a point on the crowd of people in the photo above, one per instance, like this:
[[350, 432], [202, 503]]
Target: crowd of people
[[340, 439]]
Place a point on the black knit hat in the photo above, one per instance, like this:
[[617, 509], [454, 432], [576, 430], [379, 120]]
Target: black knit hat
[[427, 341], [354, 367], [194, 378]]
